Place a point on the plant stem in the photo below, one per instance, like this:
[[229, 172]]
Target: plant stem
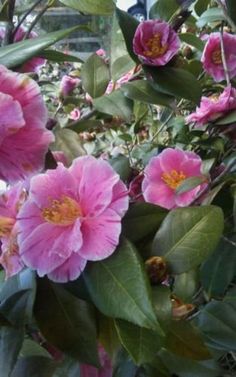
[[224, 57], [25, 16], [37, 18], [8, 38]]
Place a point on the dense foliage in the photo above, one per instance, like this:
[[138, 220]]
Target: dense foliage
[[117, 226]]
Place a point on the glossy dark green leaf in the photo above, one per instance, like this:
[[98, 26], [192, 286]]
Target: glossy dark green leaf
[[57, 56], [190, 183], [95, 76], [125, 19], [107, 333], [210, 15], [101, 7], [192, 40], [163, 9], [231, 9], [176, 82], [188, 235], [161, 296], [18, 53], [143, 91], [142, 219], [213, 280], [227, 119], [187, 367], [66, 322], [200, 6], [14, 308], [121, 165], [142, 344], [34, 366], [217, 321], [120, 60], [85, 125], [11, 340], [186, 285], [119, 288], [183, 339], [115, 104], [69, 142]]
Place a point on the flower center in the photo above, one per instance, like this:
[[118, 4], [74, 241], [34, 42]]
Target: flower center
[[6, 225], [62, 212], [173, 179], [216, 57], [154, 47]]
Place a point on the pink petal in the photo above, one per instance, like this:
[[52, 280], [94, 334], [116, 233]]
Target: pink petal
[[69, 270], [160, 194]]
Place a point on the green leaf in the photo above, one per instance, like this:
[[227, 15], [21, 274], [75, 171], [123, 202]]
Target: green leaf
[[11, 340], [120, 61], [227, 119], [85, 125], [124, 366], [190, 183], [188, 235], [142, 219], [163, 9], [184, 340], [101, 7], [69, 142], [108, 335], [122, 274], [14, 308], [142, 344], [125, 19], [217, 321], [192, 40], [210, 15], [143, 91], [231, 9], [58, 56], [121, 165], [66, 322], [200, 6], [186, 285], [162, 304], [19, 52], [188, 368], [115, 104], [34, 366], [95, 76], [213, 280], [176, 82]]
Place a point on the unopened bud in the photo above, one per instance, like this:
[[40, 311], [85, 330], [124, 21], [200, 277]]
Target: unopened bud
[[156, 269], [180, 310]]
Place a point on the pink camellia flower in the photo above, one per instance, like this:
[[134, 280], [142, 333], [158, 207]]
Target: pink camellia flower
[[214, 107], [155, 42], [104, 371], [212, 58], [24, 139], [10, 203], [68, 84], [32, 65], [72, 215], [164, 174]]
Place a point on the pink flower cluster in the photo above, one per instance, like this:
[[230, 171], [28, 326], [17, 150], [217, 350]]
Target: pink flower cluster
[[214, 107], [155, 42], [212, 56], [166, 172]]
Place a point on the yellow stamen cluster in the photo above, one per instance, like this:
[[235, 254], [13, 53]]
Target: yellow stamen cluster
[[217, 57], [173, 179], [155, 47], [62, 212]]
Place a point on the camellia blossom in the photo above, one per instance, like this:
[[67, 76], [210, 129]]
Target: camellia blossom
[[75, 114], [155, 42], [214, 107], [165, 173], [32, 65], [24, 139], [68, 84], [104, 371], [212, 57], [72, 215], [10, 203]]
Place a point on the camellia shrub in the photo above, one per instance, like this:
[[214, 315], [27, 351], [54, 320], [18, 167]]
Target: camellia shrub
[[117, 224]]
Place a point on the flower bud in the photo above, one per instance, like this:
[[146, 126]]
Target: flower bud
[[156, 269]]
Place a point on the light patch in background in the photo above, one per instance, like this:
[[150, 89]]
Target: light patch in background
[[3, 186], [125, 4]]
